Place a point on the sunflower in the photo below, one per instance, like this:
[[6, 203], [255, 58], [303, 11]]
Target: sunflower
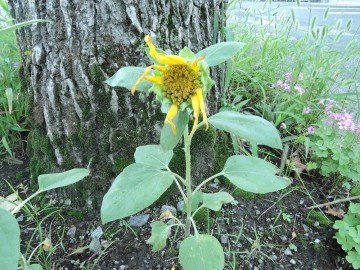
[[180, 82]]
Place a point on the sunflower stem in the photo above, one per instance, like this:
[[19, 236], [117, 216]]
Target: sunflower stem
[[187, 140]]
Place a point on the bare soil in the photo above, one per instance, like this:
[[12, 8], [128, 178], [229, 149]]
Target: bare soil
[[268, 232]]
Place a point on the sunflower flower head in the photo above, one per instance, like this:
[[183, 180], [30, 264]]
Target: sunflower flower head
[[181, 80]]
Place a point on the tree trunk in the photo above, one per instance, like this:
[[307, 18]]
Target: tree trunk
[[76, 119]]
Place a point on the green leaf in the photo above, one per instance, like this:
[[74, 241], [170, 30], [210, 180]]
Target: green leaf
[[354, 208], [253, 174], [127, 76], [56, 180], [214, 201], [167, 139], [346, 242], [153, 155], [35, 267], [9, 96], [249, 127], [201, 253], [19, 25], [220, 52], [6, 145], [137, 187], [187, 54], [196, 200], [353, 258], [354, 232], [9, 240], [159, 234]]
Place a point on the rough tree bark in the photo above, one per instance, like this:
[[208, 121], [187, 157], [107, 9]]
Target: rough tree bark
[[78, 120]]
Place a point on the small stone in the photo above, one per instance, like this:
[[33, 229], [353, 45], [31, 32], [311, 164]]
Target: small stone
[[316, 224], [95, 245], [180, 206], [138, 221], [170, 208], [20, 218], [224, 239], [288, 252], [317, 241], [301, 201], [71, 232], [257, 212], [97, 233], [273, 257], [214, 185], [292, 261], [67, 202]]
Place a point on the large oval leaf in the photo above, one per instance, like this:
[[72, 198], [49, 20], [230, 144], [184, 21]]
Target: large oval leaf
[[153, 155], [253, 174], [9, 240], [56, 180], [214, 201], [220, 52], [201, 253], [127, 76], [249, 127], [137, 187]]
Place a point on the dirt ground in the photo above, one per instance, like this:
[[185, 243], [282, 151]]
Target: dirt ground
[[275, 231]]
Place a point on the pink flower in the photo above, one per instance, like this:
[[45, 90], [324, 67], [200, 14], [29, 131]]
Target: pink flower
[[336, 116], [280, 83], [301, 77], [321, 101], [347, 116], [288, 76], [311, 130], [328, 107], [283, 126], [307, 110], [357, 129], [286, 87], [342, 125], [299, 89]]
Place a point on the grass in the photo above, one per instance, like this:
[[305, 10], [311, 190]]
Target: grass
[[319, 70], [270, 51], [12, 102]]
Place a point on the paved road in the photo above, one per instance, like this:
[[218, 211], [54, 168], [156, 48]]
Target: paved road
[[338, 10]]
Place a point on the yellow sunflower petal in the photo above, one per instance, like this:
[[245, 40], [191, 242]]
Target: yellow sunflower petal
[[159, 68], [164, 58], [147, 70], [199, 93], [170, 59], [170, 116], [196, 108], [154, 79], [195, 65], [151, 46]]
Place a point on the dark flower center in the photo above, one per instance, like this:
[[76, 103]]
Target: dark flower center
[[180, 83]]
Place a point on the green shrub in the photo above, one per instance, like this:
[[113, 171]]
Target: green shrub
[[348, 235]]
